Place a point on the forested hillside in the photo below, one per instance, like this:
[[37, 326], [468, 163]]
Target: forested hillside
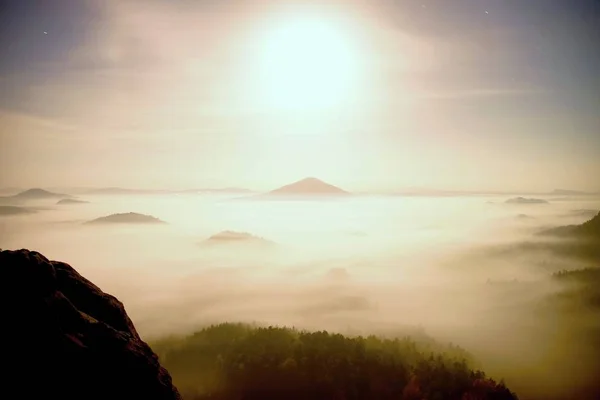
[[236, 361]]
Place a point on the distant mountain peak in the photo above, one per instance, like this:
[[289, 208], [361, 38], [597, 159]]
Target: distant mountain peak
[[311, 179], [309, 186]]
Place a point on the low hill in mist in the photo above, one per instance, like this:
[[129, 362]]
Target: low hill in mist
[[69, 340], [308, 187], [567, 192], [72, 201], [14, 210], [39, 194], [587, 230], [578, 244], [32, 195], [126, 218], [524, 217], [524, 200], [583, 213], [118, 191], [228, 190], [231, 237]]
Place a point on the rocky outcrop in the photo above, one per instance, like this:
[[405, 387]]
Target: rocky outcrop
[[65, 338]]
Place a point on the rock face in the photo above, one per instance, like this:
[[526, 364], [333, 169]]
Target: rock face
[[65, 338]]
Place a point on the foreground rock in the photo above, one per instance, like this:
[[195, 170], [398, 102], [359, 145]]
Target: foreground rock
[[66, 339]]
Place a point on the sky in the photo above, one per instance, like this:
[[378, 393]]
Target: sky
[[373, 95]]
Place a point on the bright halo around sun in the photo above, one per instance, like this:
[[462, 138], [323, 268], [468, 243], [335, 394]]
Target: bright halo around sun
[[307, 63]]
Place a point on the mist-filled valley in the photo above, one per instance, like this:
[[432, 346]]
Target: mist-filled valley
[[300, 200], [475, 271]]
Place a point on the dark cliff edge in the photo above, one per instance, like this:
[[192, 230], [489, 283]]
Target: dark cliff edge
[[65, 338]]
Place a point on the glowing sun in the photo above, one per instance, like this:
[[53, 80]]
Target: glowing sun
[[307, 63]]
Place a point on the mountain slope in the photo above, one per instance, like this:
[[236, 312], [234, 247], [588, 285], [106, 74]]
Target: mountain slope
[[67, 339], [237, 361], [587, 230]]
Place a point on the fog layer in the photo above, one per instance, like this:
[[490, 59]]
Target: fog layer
[[470, 270]]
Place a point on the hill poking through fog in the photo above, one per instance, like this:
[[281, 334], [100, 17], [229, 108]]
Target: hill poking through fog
[[31, 195], [126, 218], [308, 187], [524, 200], [72, 201], [232, 237]]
